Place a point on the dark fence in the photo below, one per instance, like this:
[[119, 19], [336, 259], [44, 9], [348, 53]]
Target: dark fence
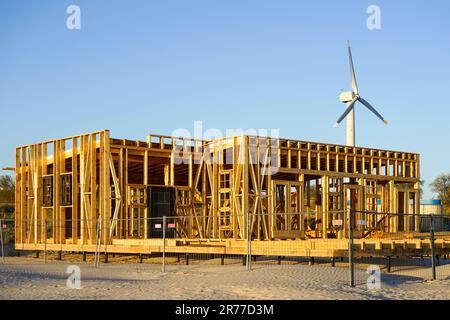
[[361, 247], [418, 254]]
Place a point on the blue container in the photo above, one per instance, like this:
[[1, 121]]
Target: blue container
[[432, 202]]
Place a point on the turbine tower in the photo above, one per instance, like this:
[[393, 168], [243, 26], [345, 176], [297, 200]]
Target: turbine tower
[[350, 98]]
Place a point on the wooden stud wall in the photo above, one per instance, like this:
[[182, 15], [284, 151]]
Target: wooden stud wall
[[213, 195]]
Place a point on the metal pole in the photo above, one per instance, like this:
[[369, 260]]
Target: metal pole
[[106, 245], [96, 245], [60, 254], [433, 255], [96, 255], [350, 250], [100, 243], [164, 245], [1, 239], [249, 241], [45, 242]]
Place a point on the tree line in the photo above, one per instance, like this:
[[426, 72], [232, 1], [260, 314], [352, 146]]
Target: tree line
[[7, 188]]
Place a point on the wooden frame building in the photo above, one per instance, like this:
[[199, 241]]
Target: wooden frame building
[[212, 190]]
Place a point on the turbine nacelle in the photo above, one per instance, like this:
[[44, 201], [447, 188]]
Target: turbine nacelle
[[348, 96]]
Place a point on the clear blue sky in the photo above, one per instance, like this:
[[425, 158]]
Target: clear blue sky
[[137, 67]]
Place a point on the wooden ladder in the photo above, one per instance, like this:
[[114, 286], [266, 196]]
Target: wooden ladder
[[225, 203]]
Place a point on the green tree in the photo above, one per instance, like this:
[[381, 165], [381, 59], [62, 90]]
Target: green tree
[[441, 186], [7, 189], [422, 183]]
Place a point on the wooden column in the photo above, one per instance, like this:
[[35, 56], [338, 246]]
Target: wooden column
[[393, 205], [93, 188], [145, 182], [325, 190], [18, 203], [75, 194], [105, 185], [245, 181], [56, 179], [83, 226]]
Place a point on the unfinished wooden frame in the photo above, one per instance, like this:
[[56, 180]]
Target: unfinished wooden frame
[[72, 184]]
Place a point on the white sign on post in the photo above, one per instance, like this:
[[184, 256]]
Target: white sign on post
[[338, 222]]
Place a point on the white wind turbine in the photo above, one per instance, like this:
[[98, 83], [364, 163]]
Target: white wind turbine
[[350, 98]]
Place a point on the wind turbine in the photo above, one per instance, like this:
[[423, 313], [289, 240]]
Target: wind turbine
[[350, 98]]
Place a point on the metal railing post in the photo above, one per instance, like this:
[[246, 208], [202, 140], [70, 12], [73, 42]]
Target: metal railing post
[[97, 245], [164, 245], [2, 241], [106, 244], [100, 243], [45, 241], [249, 241], [351, 259], [433, 254]]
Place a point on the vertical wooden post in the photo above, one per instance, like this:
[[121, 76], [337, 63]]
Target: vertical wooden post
[[29, 195], [215, 191], [204, 194], [172, 170], [56, 179], [75, 212], [18, 205], [145, 185], [105, 185], [123, 192], [62, 210], [417, 207], [23, 195], [44, 171], [245, 180], [393, 205], [93, 187], [126, 215], [324, 206], [82, 190], [270, 192], [38, 194]]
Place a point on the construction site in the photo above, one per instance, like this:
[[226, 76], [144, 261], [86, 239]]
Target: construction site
[[286, 197]]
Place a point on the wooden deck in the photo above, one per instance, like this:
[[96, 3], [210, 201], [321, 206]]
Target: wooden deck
[[291, 248]]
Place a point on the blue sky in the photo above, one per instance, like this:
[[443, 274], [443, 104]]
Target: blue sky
[[137, 67]]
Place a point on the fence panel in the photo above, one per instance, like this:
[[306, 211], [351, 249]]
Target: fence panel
[[300, 241], [415, 255], [7, 239]]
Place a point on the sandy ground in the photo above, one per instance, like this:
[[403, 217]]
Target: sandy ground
[[125, 278]]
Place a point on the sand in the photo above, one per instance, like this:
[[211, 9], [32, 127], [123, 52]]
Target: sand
[[29, 278]]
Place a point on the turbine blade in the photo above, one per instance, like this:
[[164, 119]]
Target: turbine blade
[[368, 106], [346, 112], [352, 70]]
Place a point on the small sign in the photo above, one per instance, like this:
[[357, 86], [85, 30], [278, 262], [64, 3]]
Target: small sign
[[4, 226], [362, 222], [171, 225], [379, 201], [158, 226], [337, 222]]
